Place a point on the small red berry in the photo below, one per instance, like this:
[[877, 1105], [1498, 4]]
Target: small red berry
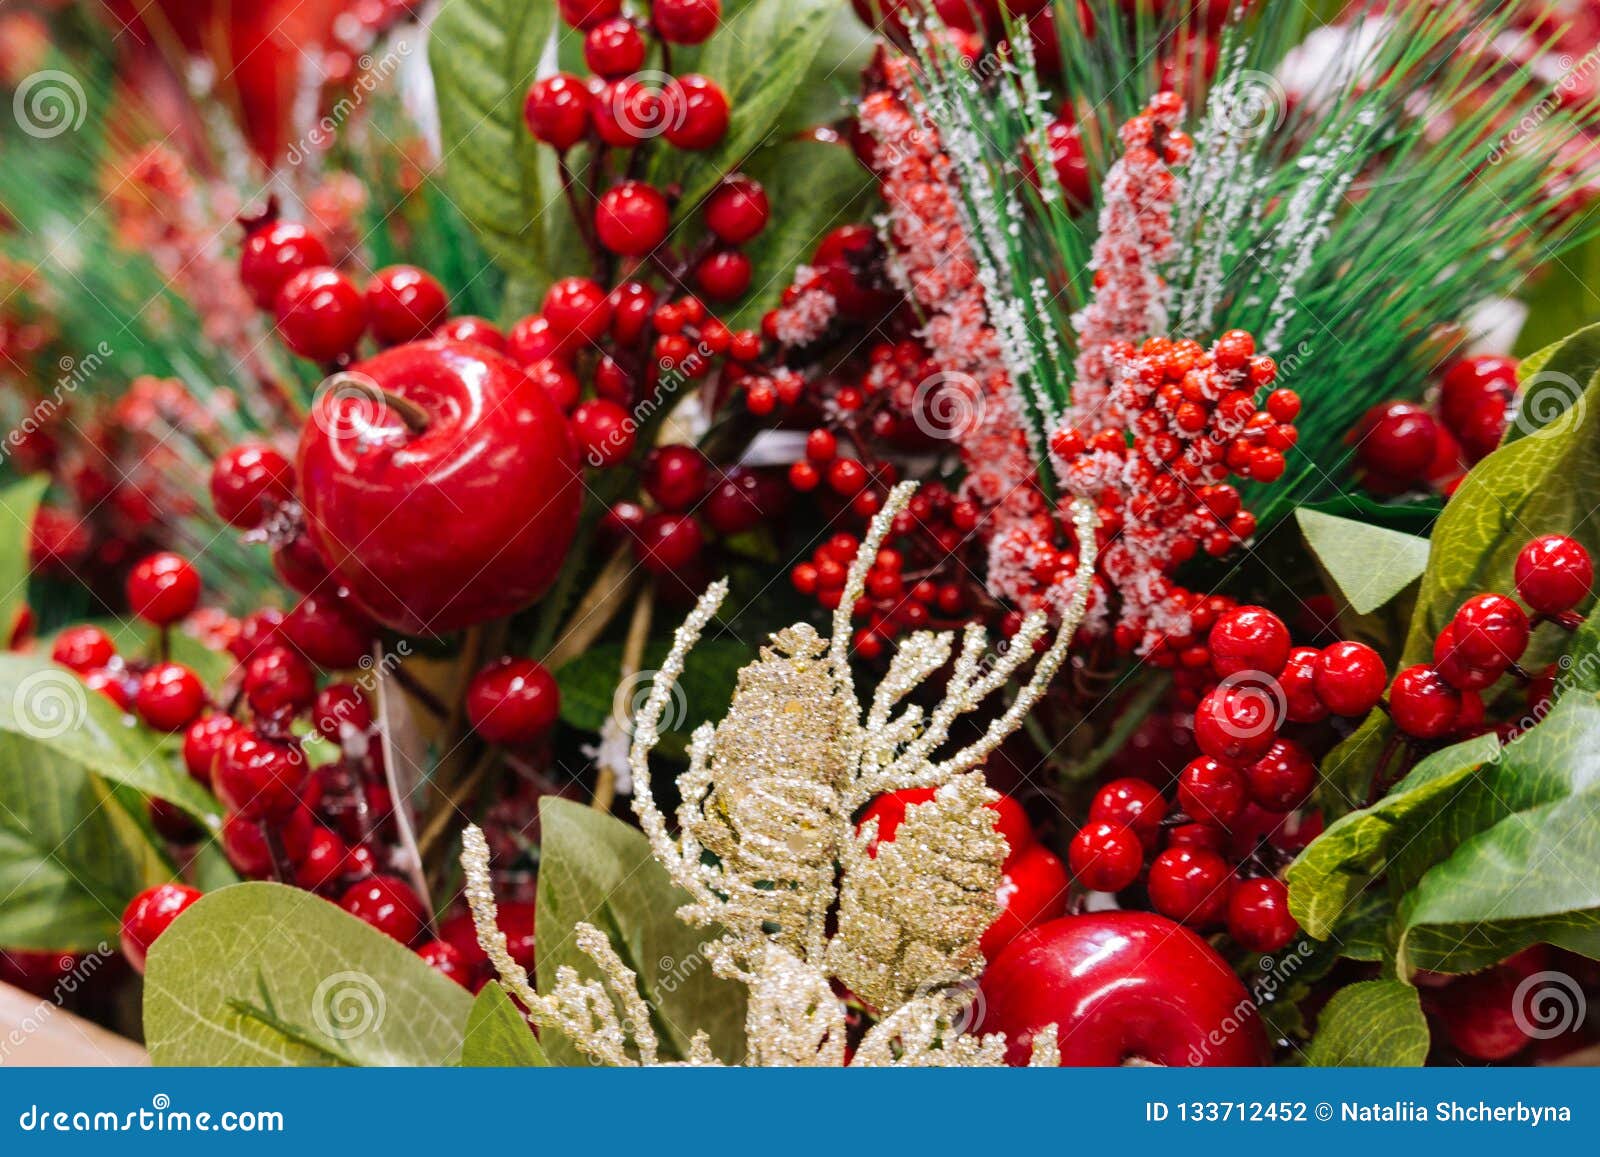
[[163, 588], [685, 21], [668, 542], [273, 254], [513, 701], [324, 861], [1189, 884], [247, 480], [1033, 889], [148, 915], [587, 13], [613, 48], [279, 683], [1105, 857], [1456, 671], [1211, 791], [1491, 632], [533, 339], [1258, 915], [404, 303], [388, 904], [472, 329], [1236, 724], [320, 313], [170, 697], [1298, 681], [737, 209], [723, 276], [1249, 639], [1283, 778], [341, 709], [577, 306], [113, 684], [202, 743], [1423, 704], [325, 630], [558, 382], [631, 219], [1398, 441], [557, 110], [604, 432], [738, 503], [675, 476], [1554, 573], [448, 962], [1132, 803], [83, 648], [1350, 678], [258, 777], [697, 110]]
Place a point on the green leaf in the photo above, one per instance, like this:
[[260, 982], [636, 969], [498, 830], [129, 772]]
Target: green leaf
[[50, 707], [263, 974], [759, 57], [590, 691], [813, 187], [1369, 564], [596, 869], [1551, 380], [70, 856], [1354, 851], [19, 502], [1377, 1023], [484, 54], [498, 1035]]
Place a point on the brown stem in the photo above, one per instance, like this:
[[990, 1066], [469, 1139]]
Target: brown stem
[[595, 611], [421, 694], [452, 802], [414, 416], [605, 784]]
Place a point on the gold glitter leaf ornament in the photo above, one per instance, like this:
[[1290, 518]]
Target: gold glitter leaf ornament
[[766, 847]]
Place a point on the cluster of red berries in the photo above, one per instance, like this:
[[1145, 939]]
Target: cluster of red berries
[[1403, 446], [1486, 639], [893, 602]]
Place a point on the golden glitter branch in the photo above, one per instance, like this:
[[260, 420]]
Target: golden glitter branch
[[770, 793]]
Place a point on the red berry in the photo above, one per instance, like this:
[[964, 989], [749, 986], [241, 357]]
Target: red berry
[[320, 313], [1211, 791], [404, 303], [737, 209], [1236, 724], [1302, 704], [83, 648], [1397, 440], [247, 480], [328, 632], [113, 684], [169, 697], [1473, 398], [202, 743], [341, 709], [736, 504], [1350, 678], [1423, 704], [685, 21], [1283, 778], [273, 254], [1258, 915], [697, 111], [258, 777], [558, 382], [446, 961], [324, 861], [675, 476], [588, 13], [279, 683], [1189, 884], [1033, 889], [604, 432], [533, 339], [473, 329], [1249, 639], [613, 48], [1554, 573], [513, 701], [631, 219], [557, 110], [1071, 164], [1483, 1017], [388, 904], [1458, 673], [163, 588], [723, 276], [148, 915], [668, 542], [1131, 803], [1105, 857], [577, 306], [1491, 631], [889, 809]]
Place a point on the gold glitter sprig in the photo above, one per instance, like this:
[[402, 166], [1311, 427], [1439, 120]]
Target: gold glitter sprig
[[766, 846]]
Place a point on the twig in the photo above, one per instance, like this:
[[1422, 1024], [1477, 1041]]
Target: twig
[[451, 804], [595, 611], [605, 784]]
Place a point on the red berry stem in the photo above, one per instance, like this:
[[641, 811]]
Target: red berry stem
[[584, 216]]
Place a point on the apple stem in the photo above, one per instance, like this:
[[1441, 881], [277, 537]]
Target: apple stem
[[414, 416]]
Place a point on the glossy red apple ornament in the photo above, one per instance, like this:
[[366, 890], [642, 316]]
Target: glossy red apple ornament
[[1121, 987], [441, 485]]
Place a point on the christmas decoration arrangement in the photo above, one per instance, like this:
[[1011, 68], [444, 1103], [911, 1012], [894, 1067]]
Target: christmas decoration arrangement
[[785, 532]]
